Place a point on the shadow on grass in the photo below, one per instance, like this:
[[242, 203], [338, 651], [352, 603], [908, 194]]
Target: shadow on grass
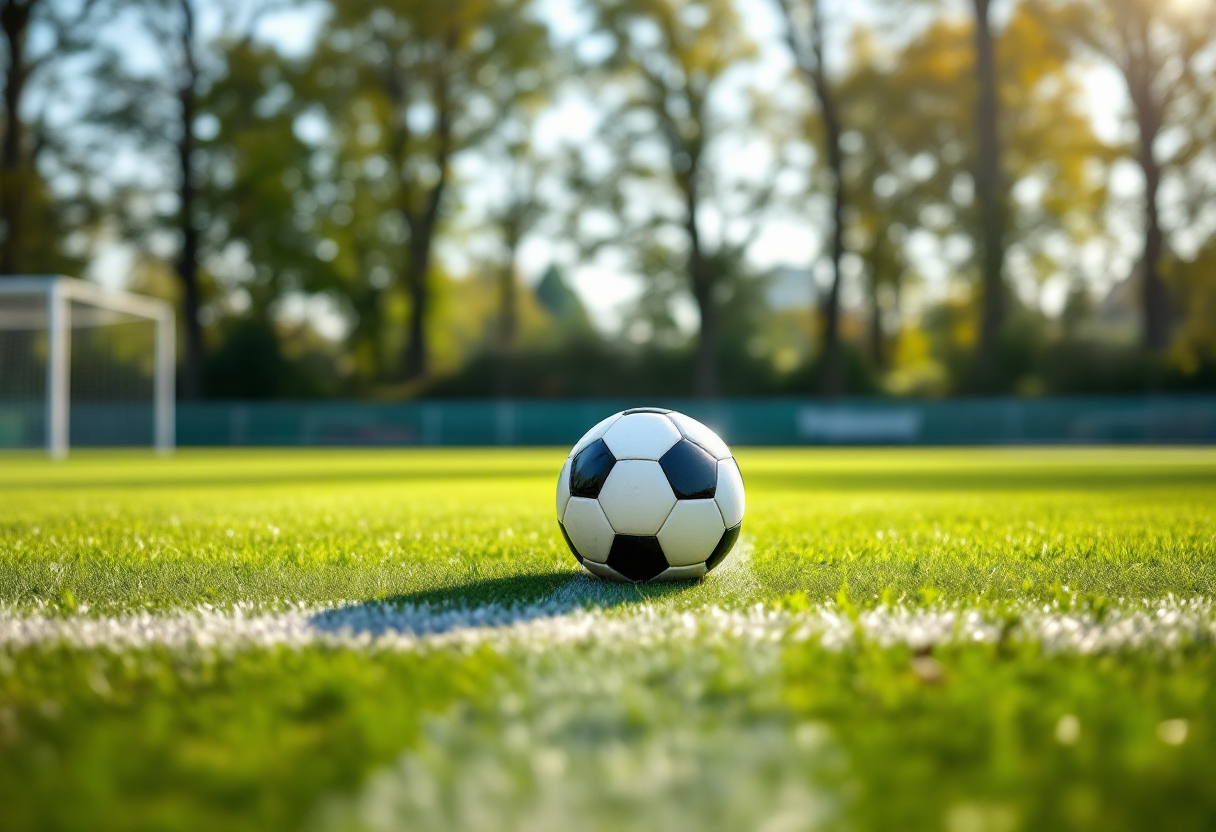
[[490, 602]]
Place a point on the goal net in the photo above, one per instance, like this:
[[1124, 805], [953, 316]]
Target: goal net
[[83, 366]]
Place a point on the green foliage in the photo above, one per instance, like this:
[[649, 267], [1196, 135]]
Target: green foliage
[[257, 180], [250, 363], [591, 367], [666, 65], [48, 209], [857, 375], [404, 155], [420, 85]]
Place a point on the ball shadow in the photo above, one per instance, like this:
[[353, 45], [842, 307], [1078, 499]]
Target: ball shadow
[[489, 602]]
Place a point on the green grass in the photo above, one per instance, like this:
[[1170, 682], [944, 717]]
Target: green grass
[[706, 733]]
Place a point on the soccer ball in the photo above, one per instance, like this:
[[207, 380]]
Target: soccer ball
[[650, 494]]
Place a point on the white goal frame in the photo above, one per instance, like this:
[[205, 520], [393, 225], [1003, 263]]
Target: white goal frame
[[60, 292]]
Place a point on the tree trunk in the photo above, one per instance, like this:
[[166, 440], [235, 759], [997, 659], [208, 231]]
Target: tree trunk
[[417, 275], [418, 268], [1154, 293], [831, 377], [701, 276], [831, 380], [417, 357], [1149, 117], [422, 234], [706, 379], [187, 264], [14, 23], [877, 351], [367, 336], [508, 316], [810, 60], [989, 186]]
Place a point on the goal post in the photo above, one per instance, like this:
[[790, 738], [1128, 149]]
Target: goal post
[[84, 365]]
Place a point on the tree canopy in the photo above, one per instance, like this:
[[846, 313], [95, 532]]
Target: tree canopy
[[385, 198]]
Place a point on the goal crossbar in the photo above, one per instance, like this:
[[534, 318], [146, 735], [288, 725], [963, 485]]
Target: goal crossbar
[[59, 293]]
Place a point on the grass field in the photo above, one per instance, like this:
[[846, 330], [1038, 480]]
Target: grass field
[[966, 640]]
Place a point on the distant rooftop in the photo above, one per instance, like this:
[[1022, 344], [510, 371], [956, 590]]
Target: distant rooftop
[[558, 299], [791, 288]]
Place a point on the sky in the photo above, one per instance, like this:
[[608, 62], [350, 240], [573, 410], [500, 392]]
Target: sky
[[785, 240]]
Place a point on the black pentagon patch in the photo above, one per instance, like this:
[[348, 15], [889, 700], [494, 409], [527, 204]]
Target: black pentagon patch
[[637, 557], [569, 542], [692, 472], [590, 468], [724, 546], [659, 410]]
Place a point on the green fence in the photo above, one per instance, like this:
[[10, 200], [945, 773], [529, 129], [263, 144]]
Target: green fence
[[123, 424], [1157, 420]]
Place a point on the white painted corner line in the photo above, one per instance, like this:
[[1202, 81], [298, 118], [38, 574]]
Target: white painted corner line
[[606, 616]]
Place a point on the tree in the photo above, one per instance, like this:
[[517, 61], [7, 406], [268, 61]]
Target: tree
[[162, 111], [520, 210], [980, 90], [174, 25], [913, 154], [35, 36], [517, 202], [256, 189], [666, 62], [1195, 282], [417, 83], [804, 33], [1159, 50], [884, 199], [991, 194]]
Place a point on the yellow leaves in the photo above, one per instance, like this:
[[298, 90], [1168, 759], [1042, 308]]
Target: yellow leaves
[[942, 56], [916, 370], [913, 347], [703, 38], [1194, 284], [965, 332], [917, 102], [1031, 48]]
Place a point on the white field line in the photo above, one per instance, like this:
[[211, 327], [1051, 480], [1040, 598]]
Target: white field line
[[1166, 623]]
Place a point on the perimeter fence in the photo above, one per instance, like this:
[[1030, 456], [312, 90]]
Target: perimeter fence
[[1155, 420]]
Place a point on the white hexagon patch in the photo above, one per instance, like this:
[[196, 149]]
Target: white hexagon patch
[[636, 497], [603, 571], [691, 532], [641, 436], [588, 528], [730, 492], [696, 432], [595, 433], [563, 491], [682, 573]]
